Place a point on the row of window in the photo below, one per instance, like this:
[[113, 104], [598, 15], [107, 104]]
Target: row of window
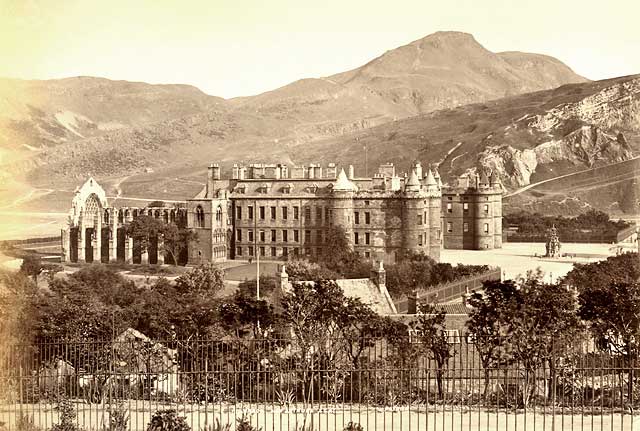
[[465, 227], [286, 251], [465, 207], [284, 235], [199, 213]]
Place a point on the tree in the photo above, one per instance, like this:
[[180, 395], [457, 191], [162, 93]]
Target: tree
[[205, 280], [245, 310], [303, 270], [338, 256], [177, 240], [31, 266], [431, 330], [488, 324], [612, 314], [143, 228], [267, 286]]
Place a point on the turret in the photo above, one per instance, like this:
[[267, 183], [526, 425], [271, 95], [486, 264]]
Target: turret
[[413, 183]]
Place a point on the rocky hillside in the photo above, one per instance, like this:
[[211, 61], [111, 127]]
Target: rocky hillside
[[58, 130], [525, 139]]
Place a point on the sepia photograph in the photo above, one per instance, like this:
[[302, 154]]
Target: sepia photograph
[[251, 215]]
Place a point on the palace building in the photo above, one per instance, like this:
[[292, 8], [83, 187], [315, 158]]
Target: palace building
[[278, 212]]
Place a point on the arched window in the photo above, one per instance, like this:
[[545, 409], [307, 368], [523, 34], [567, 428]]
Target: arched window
[[199, 216], [219, 214], [106, 217], [156, 214], [165, 216], [120, 216]]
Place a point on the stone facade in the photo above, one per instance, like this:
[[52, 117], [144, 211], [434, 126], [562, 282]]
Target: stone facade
[[472, 213], [276, 212]]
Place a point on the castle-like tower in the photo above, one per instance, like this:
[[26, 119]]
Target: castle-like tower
[[472, 213]]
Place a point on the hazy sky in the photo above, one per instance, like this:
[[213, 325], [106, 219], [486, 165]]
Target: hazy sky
[[242, 47]]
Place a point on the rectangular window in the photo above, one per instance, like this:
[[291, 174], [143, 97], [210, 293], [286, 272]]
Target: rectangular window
[[250, 236], [296, 235], [250, 213], [285, 235], [366, 203], [250, 250], [285, 251], [285, 213], [262, 251], [438, 234], [367, 254], [238, 251], [319, 214], [239, 213], [356, 238], [486, 228], [449, 226], [320, 239], [273, 235], [356, 217], [449, 207], [273, 213], [465, 227], [261, 236], [327, 215], [295, 251], [486, 208], [465, 207], [419, 218], [420, 239], [307, 236], [367, 238], [239, 235], [307, 215], [261, 213], [273, 251], [367, 217], [296, 213]]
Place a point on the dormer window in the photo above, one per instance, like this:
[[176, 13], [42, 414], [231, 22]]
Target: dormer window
[[265, 188], [313, 188], [241, 189]]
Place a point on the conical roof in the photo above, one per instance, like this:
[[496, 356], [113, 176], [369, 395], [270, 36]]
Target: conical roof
[[413, 183], [343, 183], [430, 179]]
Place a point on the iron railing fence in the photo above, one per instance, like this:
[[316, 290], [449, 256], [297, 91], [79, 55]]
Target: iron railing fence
[[323, 384]]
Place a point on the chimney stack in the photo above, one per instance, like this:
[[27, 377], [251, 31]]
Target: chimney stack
[[351, 173]]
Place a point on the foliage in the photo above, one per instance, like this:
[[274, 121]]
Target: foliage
[[591, 226], [433, 339], [31, 266], [415, 271], [528, 321], [337, 255], [244, 310], [205, 279], [488, 324], [598, 275], [142, 229], [304, 270], [67, 416], [267, 286], [17, 296], [118, 417], [177, 241], [167, 420], [26, 423], [245, 425]]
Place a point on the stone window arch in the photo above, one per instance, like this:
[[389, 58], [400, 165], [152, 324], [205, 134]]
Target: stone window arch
[[219, 214]]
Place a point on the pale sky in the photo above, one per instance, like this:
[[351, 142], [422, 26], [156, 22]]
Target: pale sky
[[234, 48]]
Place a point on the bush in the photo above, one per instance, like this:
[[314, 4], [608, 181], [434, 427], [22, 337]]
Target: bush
[[245, 425], [353, 426], [118, 418], [167, 420], [67, 416]]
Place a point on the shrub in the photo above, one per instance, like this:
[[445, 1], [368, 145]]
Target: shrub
[[118, 418], [67, 416], [25, 423], [167, 420], [245, 425]]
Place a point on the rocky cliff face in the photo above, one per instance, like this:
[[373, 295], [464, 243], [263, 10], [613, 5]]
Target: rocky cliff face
[[584, 134]]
